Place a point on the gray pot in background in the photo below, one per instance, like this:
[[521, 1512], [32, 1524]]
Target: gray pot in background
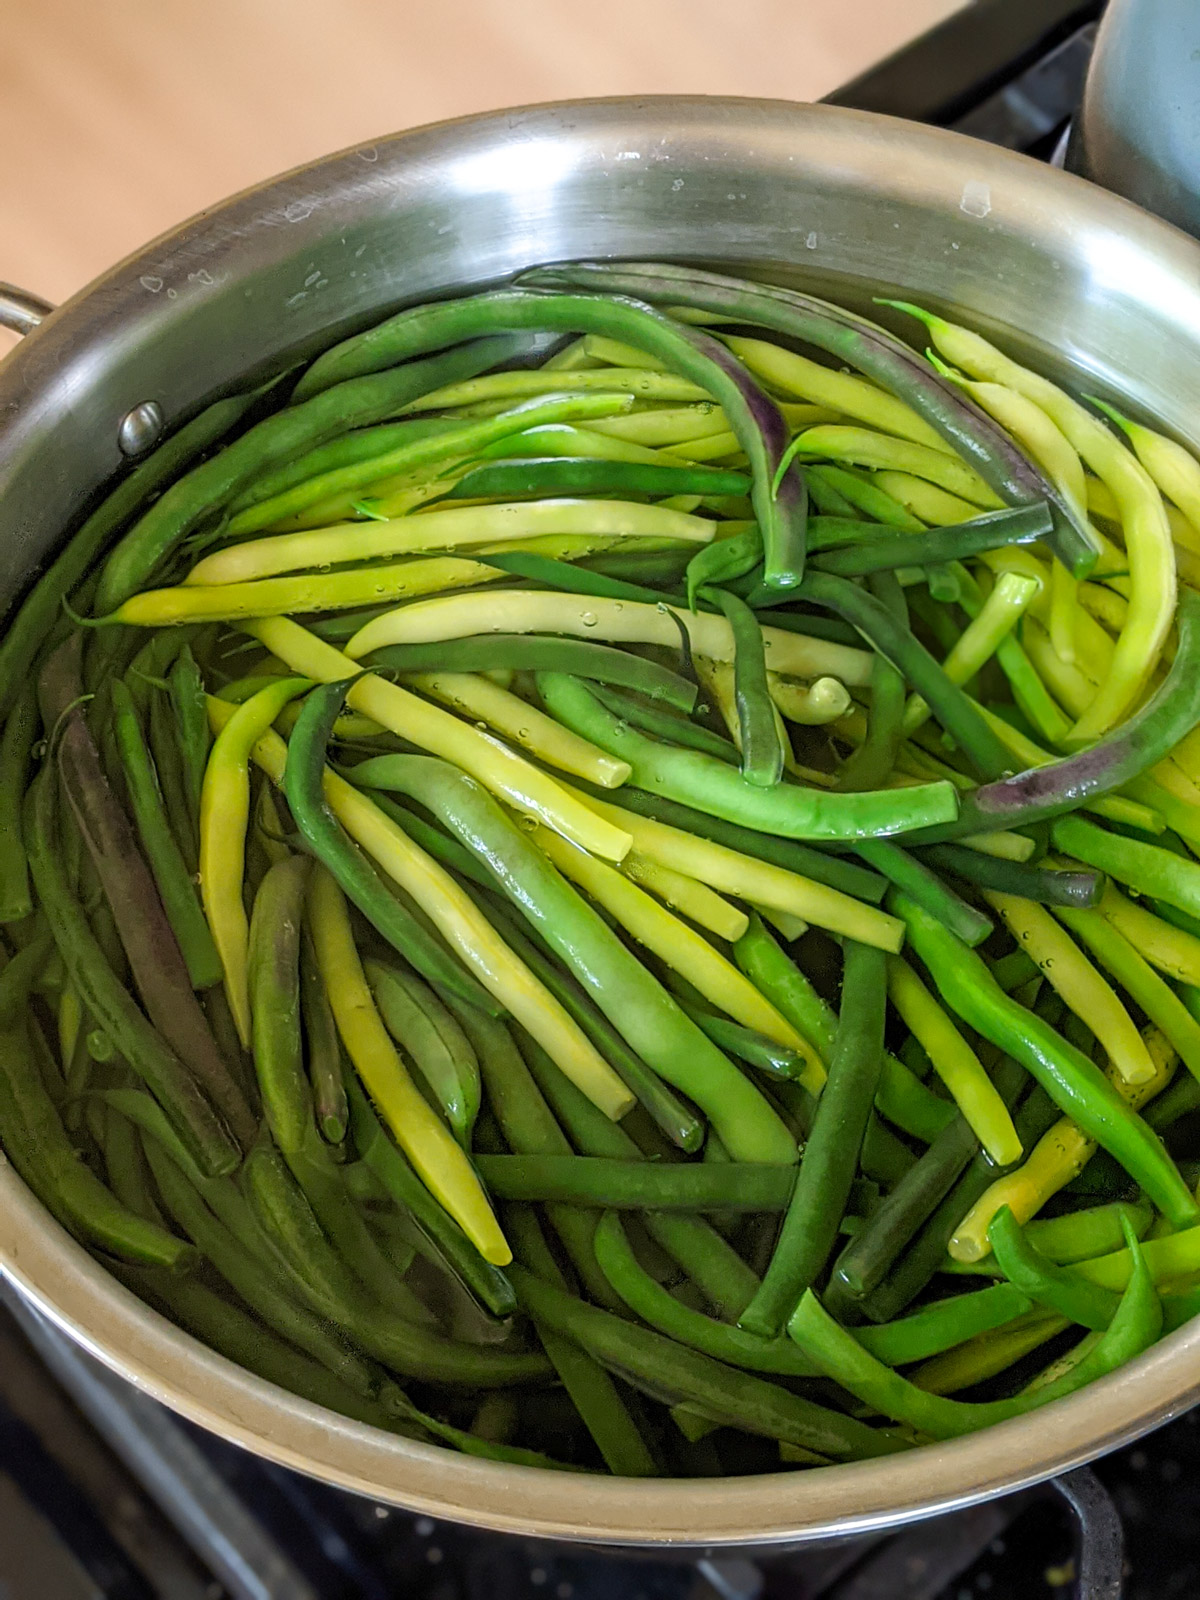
[[1138, 131]]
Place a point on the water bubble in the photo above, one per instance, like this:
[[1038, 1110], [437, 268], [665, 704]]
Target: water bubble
[[588, 618], [482, 726], [522, 733], [527, 822]]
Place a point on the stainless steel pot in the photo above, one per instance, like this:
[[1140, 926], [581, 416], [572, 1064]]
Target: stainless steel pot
[[847, 202]]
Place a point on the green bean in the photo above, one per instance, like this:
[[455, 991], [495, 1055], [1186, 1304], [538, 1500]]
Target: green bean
[[641, 1010], [755, 419], [899, 1096], [279, 438], [827, 533], [358, 444], [830, 500], [1057, 1288], [536, 653], [912, 877], [166, 755], [255, 1276], [1136, 1324], [943, 1325], [403, 1346], [1046, 886], [734, 556], [593, 1392], [433, 1040], [750, 1046], [670, 1114], [871, 764], [831, 1155], [323, 1049], [761, 734], [1077, 1235], [693, 1243], [354, 873], [651, 570], [307, 1209], [569, 576], [191, 716], [1075, 1084], [1016, 526], [666, 725], [274, 988], [109, 1002], [16, 750], [158, 968], [128, 1175], [870, 1254], [1147, 868], [917, 1265], [1151, 993], [665, 1369], [249, 1342], [530, 1128], [440, 1238], [175, 885], [639, 1185], [863, 496], [38, 1145], [949, 704], [658, 1307], [1180, 1098], [834, 871], [708, 785], [572, 475]]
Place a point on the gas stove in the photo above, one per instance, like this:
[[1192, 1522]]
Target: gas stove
[[104, 1495]]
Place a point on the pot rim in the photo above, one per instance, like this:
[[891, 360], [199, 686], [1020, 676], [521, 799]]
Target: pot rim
[[76, 1292]]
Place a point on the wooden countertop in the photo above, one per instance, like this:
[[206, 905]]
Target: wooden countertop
[[120, 118]]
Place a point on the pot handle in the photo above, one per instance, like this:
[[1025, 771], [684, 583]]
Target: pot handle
[[20, 311]]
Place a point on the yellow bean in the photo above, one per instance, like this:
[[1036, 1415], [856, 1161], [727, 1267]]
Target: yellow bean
[[446, 529], [1143, 519], [1010, 598], [497, 767], [224, 819], [1170, 949], [463, 926], [646, 384], [682, 949], [955, 1063], [864, 448], [688, 896], [1059, 1155], [442, 1166], [313, 591], [810, 704], [840, 391], [1078, 983], [477, 698], [1176, 472], [616, 621], [925, 500], [747, 878]]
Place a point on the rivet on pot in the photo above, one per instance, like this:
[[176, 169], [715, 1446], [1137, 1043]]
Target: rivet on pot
[[141, 428]]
